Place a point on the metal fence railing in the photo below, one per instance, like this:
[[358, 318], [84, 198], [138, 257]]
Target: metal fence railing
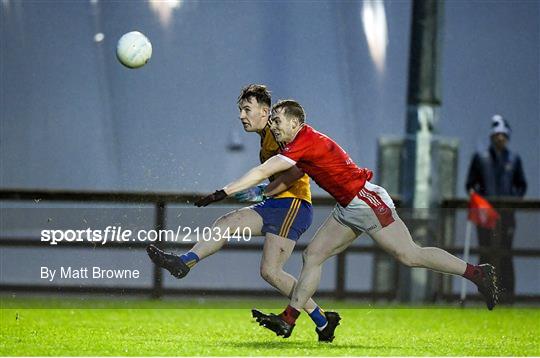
[[160, 202]]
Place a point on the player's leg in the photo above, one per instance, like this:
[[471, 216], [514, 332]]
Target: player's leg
[[330, 239], [284, 221], [276, 252], [389, 231], [232, 221], [179, 266], [397, 241]]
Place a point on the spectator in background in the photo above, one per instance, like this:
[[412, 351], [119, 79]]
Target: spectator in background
[[497, 172]]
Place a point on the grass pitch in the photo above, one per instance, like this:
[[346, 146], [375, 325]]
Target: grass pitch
[[153, 328]]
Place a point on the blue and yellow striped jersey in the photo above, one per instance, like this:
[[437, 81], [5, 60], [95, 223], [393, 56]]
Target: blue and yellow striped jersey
[[270, 147]]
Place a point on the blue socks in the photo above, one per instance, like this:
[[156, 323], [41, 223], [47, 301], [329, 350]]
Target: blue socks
[[190, 259], [318, 317]]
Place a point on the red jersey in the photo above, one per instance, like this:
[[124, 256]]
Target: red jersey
[[327, 164]]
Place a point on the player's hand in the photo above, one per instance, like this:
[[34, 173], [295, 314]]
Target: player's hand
[[212, 198], [252, 195]]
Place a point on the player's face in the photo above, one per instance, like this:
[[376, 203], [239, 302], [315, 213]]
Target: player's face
[[253, 115], [283, 127]]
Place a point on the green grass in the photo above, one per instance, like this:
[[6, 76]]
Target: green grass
[[151, 328]]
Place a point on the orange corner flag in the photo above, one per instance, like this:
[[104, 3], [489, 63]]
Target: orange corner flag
[[481, 212]]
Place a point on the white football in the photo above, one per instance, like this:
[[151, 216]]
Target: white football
[[133, 49]]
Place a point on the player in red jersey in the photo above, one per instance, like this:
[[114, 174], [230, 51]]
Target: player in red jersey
[[362, 207]]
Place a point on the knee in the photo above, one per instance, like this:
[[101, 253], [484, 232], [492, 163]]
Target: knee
[[269, 273], [409, 258]]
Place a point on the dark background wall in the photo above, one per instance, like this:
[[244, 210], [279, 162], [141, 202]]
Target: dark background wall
[[72, 117]]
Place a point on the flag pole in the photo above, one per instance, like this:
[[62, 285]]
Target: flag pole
[[466, 248]]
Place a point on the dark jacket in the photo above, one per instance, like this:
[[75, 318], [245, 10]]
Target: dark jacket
[[496, 175]]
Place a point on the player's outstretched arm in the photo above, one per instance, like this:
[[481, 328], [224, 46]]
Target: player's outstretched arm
[[254, 176], [283, 181]]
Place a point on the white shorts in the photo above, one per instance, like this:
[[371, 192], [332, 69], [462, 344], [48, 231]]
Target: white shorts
[[371, 210]]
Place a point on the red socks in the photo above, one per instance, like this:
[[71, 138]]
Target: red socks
[[290, 315], [473, 273]]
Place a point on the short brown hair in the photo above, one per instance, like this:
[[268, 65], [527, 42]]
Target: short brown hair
[[291, 108], [260, 92]]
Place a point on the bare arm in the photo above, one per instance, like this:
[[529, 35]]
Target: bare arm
[[256, 175], [283, 181]]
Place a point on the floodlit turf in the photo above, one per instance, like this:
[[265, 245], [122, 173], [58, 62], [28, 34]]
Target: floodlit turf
[[365, 331]]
